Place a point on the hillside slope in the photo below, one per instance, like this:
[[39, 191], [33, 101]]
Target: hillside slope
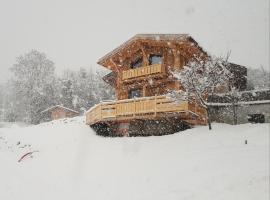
[[71, 162]]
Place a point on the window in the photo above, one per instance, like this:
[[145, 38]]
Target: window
[[256, 118], [137, 63], [134, 93], [155, 59]]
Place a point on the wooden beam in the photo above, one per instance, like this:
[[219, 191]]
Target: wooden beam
[[114, 65], [144, 91], [145, 56], [176, 55]]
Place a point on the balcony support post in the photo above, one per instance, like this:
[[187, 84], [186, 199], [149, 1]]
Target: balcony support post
[[144, 91], [145, 58]]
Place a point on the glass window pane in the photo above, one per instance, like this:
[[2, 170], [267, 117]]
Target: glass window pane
[[134, 93], [137, 63], [155, 59]]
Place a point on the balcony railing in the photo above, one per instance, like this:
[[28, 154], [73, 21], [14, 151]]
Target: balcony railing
[[146, 107], [143, 71]]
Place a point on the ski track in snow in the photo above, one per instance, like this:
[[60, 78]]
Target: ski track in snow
[[71, 162]]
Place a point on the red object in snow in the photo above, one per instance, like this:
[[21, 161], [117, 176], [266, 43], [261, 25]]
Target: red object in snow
[[25, 155]]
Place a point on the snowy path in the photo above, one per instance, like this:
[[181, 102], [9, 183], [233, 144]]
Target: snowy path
[[73, 163]]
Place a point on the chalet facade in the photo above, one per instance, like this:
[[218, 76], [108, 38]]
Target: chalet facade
[[59, 112], [141, 75]]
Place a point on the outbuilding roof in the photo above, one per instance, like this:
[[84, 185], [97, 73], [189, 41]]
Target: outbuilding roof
[[61, 107]]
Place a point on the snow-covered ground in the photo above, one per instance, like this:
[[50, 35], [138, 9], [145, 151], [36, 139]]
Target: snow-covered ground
[[70, 162]]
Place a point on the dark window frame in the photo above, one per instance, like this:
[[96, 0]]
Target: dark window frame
[[138, 62], [131, 91]]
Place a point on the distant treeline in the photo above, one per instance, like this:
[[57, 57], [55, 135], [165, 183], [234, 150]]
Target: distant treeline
[[35, 87]]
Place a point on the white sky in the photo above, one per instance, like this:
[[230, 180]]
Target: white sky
[[77, 33]]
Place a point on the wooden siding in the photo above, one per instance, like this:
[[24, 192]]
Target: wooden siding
[[148, 107]]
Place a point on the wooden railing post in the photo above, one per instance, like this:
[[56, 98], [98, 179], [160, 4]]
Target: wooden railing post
[[101, 111], [155, 105], [134, 104]]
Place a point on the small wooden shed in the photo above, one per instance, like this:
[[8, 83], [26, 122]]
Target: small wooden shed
[[59, 112]]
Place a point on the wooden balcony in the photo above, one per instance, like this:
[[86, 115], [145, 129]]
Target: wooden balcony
[[143, 71], [141, 108]]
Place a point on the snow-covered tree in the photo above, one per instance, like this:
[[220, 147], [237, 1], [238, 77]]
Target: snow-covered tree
[[82, 89], [258, 79], [202, 78], [66, 95], [33, 85], [103, 90], [1, 102]]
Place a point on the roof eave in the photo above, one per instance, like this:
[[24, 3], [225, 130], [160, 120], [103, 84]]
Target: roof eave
[[185, 37]]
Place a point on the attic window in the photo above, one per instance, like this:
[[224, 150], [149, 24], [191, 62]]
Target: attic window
[[137, 63], [155, 59]]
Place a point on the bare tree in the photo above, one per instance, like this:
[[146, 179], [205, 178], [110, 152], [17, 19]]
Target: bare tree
[[203, 78]]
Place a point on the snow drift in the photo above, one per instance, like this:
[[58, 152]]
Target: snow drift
[[71, 162]]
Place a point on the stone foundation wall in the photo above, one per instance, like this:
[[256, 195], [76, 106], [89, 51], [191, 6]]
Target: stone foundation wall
[[224, 114]]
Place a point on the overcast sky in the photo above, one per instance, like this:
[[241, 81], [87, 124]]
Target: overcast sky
[[77, 33]]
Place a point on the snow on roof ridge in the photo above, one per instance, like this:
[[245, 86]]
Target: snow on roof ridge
[[165, 35], [59, 106]]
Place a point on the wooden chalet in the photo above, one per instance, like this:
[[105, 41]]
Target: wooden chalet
[[59, 112], [141, 77]]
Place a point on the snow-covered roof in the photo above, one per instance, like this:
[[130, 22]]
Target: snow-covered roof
[[157, 37], [59, 106], [241, 103]]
